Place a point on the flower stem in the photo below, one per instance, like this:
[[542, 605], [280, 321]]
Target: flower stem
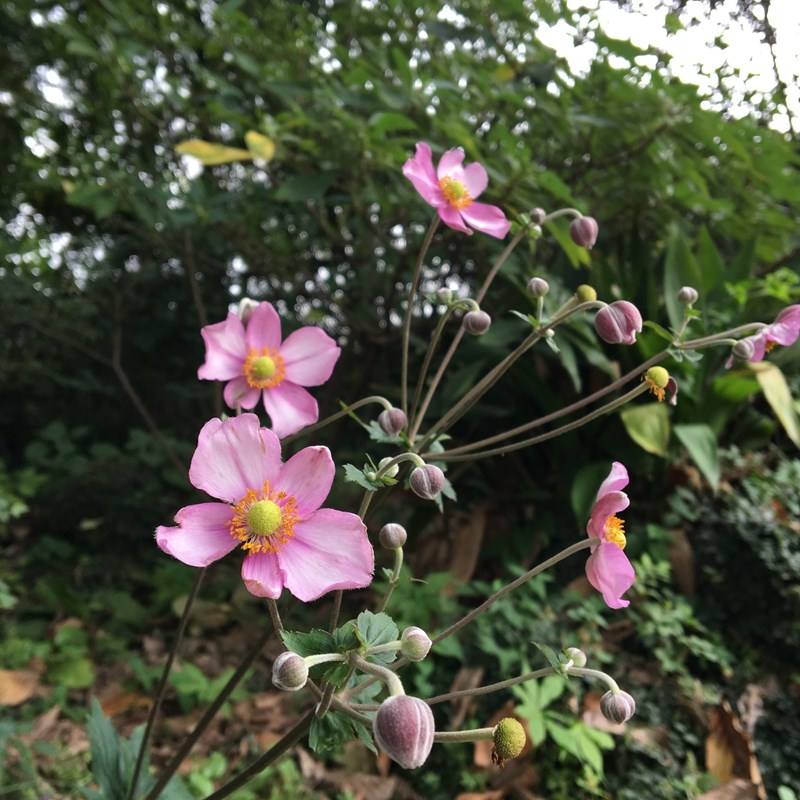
[[393, 683], [731, 332], [395, 579], [582, 672], [346, 411], [426, 243], [474, 735], [324, 658], [162, 684]]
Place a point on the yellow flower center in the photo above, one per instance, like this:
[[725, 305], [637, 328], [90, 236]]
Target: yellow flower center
[[455, 193], [770, 345], [615, 532], [263, 521], [263, 369]]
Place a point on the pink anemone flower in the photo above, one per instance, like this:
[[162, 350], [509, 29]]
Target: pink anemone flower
[[272, 511], [256, 363], [784, 331], [608, 568], [452, 188]]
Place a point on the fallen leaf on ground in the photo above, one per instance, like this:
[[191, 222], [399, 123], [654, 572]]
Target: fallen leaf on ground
[[739, 789], [17, 686]]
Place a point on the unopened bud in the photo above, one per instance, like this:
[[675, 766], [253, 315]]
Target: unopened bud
[[657, 376], [617, 706], [415, 643], [509, 740], [744, 349], [477, 322], [289, 672], [618, 323], [246, 308], [688, 295], [583, 231], [538, 287], [392, 421], [576, 656], [537, 216], [427, 481], [392, 471], [403, 728], [586, 293], [392, 535], [672, 391], [444, 295]]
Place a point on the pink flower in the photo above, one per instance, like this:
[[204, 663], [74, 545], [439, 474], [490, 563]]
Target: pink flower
[[784, 331], [272, 511], [256, 363], [608, 568], [452, 188], [618, 323]]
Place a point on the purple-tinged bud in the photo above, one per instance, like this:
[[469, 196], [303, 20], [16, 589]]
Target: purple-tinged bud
[[477, 322], [509, 740], [392, 421], [618, 323], [576, 656], [538, 287], [744, 349], [246, 308], [583, 231], [427, 481], [392, 535], [415, 643], [403, 728], [289, 672], [537, 215], [617, 706], [586, 293], [672, 391], [444, 295], [688, 295]]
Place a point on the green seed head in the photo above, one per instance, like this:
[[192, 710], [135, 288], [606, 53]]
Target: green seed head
[[264, 518], [659, 376], [262, 368], [586, 293], [509, 739]]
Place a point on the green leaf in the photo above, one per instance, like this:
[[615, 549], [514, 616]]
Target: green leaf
[[211, 153], [701, 442], [736, 386], [305, 187], [584, 489], [105, 750], [710, 263], [71, 672], [552, 657], [578, 256], [375, 629], [660, 330], [390, 121], [680, 269], [779, 396], [551, 688], [355, 475], [648, 426], [313, 643]]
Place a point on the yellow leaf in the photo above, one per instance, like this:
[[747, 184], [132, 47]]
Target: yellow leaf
[[210, 153], [260, 146], [779, 396]]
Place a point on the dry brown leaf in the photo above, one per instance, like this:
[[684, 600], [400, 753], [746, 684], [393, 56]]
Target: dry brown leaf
[[468, 534], [17, 686], [729, 749], [466, 678], [740, 789], [681, 558], [497, 794], [120, 701], [43, 725]]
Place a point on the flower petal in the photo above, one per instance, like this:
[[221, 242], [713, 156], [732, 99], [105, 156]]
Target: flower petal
[[487, 219], [759, 341], [264, 328], [226, 349], [330, 550], [616, 481], [262, 575], [202, 535], [308, 476], [234, 456], [239, 393], [452, 218], [610, 572], [309, 355], [290, 408], [450, 164], [419, 170], [610, 503], [475, 179]]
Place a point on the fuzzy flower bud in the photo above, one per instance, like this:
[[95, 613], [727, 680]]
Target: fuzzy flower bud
[[246, 308], [537, 215], [289, 672], [744, 349], [576, 655], [617, 707], [583, 231], [688, 295], [427, 481], [444, 295], [477, 322], [509, 740], [618, 323], [538, 287], [392, 535], [586, 293], [392, 471], [415, 643], [392, 421], [403, 728]]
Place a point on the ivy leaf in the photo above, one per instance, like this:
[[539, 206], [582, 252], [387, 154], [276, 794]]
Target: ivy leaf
[[375, 629], [313, 643]]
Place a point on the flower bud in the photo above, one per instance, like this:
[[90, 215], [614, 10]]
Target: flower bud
[[403, 728], [688, 295], [583, 231], [586, 293], [509, 740], [672, 391], [289, 672], [392, 471], [576, 655], [427, 481], [617, 706], [246, 308], [392, 535], [392, 421], [658, 376], [444, 295], [538, 287], [618, 323], [477, 322], [537, 215], [744, 349], [415, 643]]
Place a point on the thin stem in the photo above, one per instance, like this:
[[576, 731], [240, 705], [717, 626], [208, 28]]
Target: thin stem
[[562, 212], [426, 243], [395, 579], [286, 742], [275, 616], [474, 735], [346, 411], [162, 684], [731, 332], [582, 672], [324, 658], [336, 610], [386, 647], [492, 687], [393, 683]]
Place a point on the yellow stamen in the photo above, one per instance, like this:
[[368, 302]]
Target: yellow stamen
[[657, 391], [264, 368], [263, 521], [455, 193], [614, 531], [770, 345]]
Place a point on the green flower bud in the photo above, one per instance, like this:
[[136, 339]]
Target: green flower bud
[[415, 643], [576, 655], [586, 293]]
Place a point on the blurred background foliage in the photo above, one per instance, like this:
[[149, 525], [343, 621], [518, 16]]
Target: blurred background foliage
[[116, 249]]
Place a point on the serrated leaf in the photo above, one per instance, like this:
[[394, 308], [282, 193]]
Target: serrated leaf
[[210, 153], [550, 655], [313, 643], [375, 629], [260, 146], [355, 475], [648, 426]]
